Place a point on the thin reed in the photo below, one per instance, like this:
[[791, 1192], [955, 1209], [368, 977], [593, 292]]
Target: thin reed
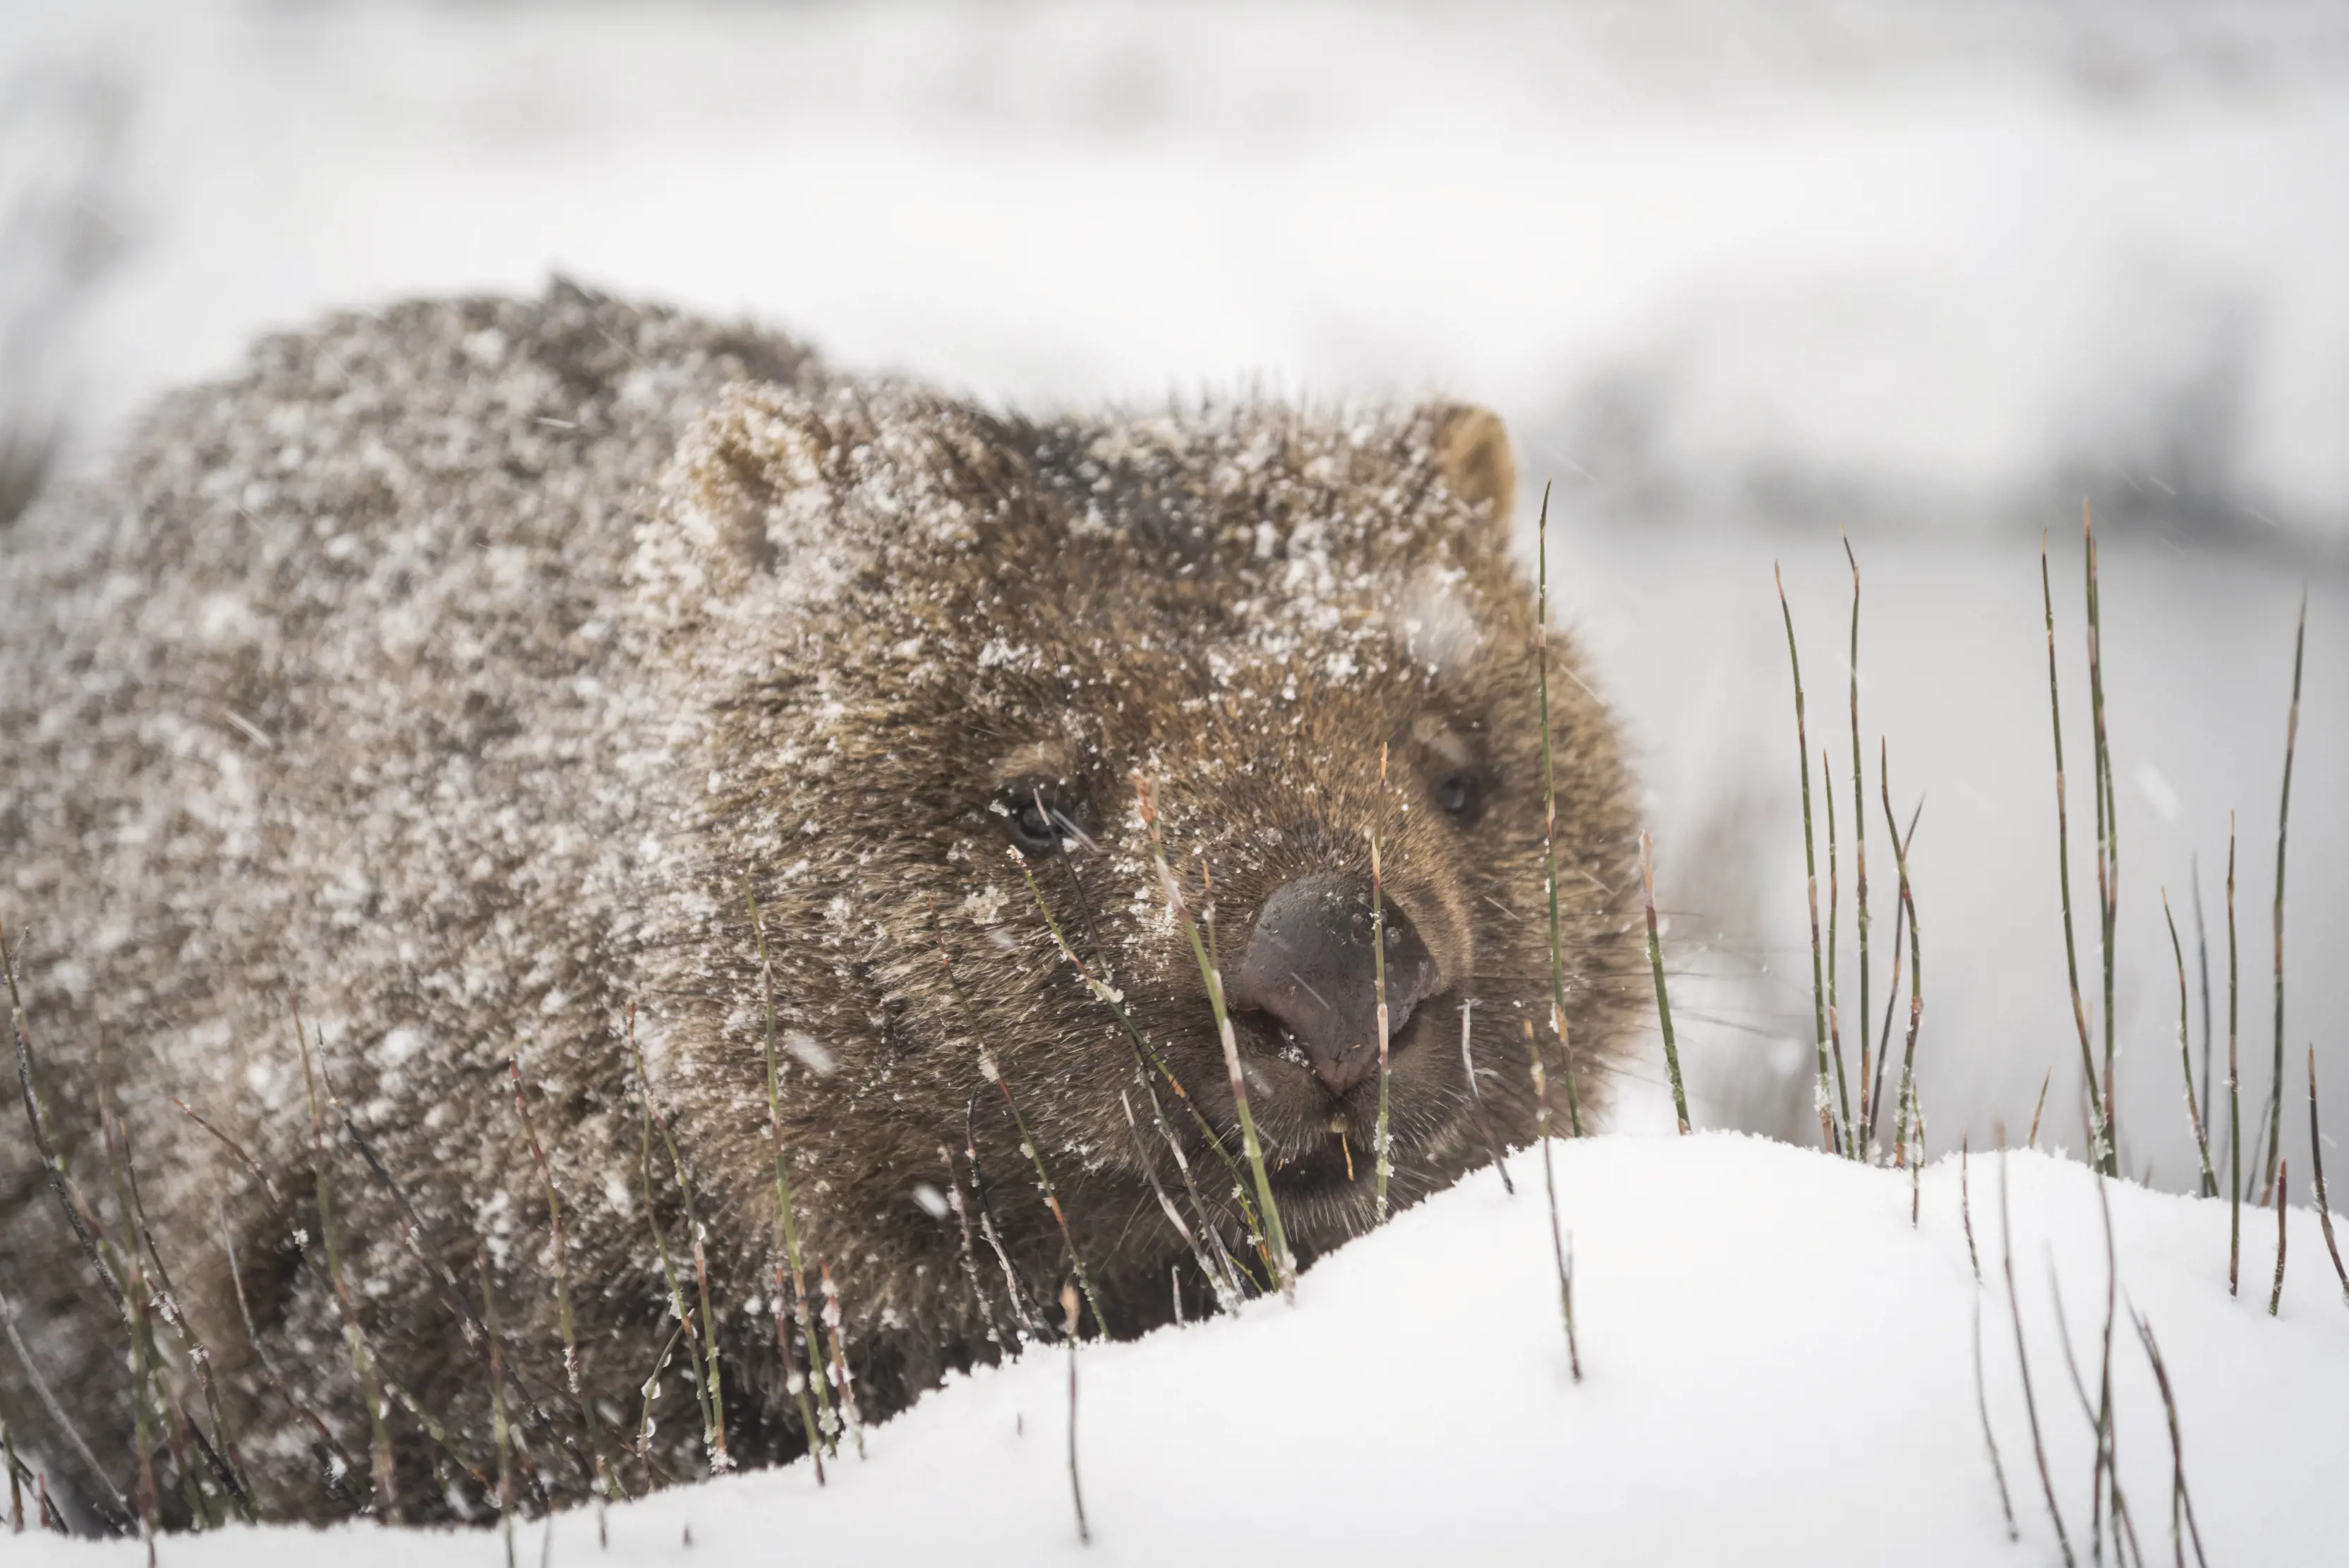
[[1664, 999], [2101, 1153], [2283, 822], [2186, 1056], [2234, 1087], [820, 1428], [1860, 870], [387, 1497], [1811, 874], [1907, 1102], [1284, 1266], [1549, 1184], [1550, 820], [2316, 1174], [1384, 1166], [2283, 1211], [601, 1480]]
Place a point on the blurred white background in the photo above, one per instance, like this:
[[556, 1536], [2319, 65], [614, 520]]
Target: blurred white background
[[1738, 277]]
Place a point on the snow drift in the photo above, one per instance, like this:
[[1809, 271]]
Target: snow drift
[[1777, 1368]]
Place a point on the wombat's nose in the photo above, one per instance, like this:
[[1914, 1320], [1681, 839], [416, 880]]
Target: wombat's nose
[[1308, 966]]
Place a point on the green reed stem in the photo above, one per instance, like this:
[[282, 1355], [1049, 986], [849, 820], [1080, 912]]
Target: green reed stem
[[1860, 870], [2103, 1155], [786, 1217], [713, 1423], [1834, 912], [2109, 831], [1385, 1159], [2234, 1087], [1663, 1001], [2186, 1056], [1284, 1264], [2283, 822], [387, 1499], [1549, 821], [1811, 874], [1907, 1102], [2316, 1169], [602, 1476]]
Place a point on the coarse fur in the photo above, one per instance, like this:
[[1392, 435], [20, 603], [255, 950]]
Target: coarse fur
[[460, 667]]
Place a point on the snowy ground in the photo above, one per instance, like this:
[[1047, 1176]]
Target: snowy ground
[[1777, 1369]]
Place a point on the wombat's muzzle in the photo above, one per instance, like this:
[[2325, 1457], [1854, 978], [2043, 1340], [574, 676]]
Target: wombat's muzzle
[[1309, 968]]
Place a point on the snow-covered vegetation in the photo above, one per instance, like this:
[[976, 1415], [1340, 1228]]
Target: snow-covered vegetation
[[1777, 1367]]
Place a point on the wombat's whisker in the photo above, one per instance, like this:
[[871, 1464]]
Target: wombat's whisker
[[1476, 1099]]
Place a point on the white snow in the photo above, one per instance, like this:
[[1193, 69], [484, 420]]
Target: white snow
[[1777, 1369]]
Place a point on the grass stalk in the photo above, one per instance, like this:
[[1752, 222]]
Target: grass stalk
[[1477, 1099], [1664, 1005], [1284, 1265], [1550, 818], [2101, 1153], [1907, 1102], [2283, 822], [1873, 1092], [144, 1373], [333, 1462], [1383, 1166], [2044, 1079], [705, 1382], [795, 1381], [1028, 1320], [1227, 1291], [16, 1476], [120, 1513], [1842, 1133], [992, 1070], [2234, 1085], [387, 1497], [786, 1216], [2186, 1056], [2317, 1170], [961, 1211], [601, 1470], [1982, 1408], [2181, 1503], [2023, 1363], [1966, 1203], [2283, 1211], [1549, 1183], [2202, 964], [1859, 856], [834, 1332], [1147, 1060], [500, 1429], [2108, 868], [1076, 1486], [1811, 885]]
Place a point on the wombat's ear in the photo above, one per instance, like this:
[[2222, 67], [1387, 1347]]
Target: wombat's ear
[[1472, 451], [753, 477]]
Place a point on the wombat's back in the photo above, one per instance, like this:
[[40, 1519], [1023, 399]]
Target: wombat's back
[[329, 683]]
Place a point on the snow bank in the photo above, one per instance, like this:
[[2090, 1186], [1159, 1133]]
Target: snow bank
[[1777, 1369]]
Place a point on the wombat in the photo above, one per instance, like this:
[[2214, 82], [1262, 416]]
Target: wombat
[[469, 700]]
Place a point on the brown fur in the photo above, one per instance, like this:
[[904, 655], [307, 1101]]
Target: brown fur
[[462, 665]]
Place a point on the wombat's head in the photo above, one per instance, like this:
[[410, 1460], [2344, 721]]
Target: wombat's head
[[1241, 666]]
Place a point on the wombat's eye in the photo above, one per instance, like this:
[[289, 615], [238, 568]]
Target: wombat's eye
[[1461, 794], [1035, 818]]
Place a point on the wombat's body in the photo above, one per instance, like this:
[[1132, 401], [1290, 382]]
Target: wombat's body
[[459, 668]]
